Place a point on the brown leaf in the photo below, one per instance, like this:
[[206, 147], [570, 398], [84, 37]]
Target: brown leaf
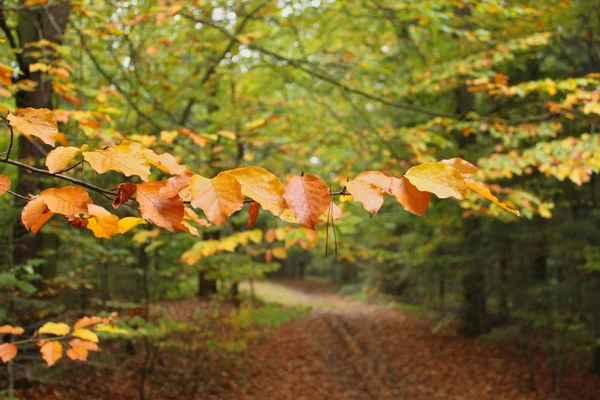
[[167, 213], [38, 122], [369, 195], [412, 199], [308, 198], [4, 184], [11, 330], [125, 191], [51, 352], [253, 213], [8, 351], [76, 222], [218, 197]]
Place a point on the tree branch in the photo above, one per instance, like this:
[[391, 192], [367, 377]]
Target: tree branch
[[75, 181]]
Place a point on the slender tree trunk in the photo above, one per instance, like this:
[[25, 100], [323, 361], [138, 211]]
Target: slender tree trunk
[[206, 287], [475, 301]]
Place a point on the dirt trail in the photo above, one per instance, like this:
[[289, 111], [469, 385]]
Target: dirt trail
[[348, 350], [342, 350]]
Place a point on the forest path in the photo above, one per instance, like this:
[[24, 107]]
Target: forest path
[[348, 350]]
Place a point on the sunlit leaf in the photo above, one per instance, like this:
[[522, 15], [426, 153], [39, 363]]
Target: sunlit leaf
[[308, 197], [439, 179], [218, 197], [37, 122]]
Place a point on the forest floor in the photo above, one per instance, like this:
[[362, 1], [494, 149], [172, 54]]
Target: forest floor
[[340, 349]]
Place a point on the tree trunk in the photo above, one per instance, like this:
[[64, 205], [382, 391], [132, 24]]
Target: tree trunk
[[33, 26], [206, 287], [475, 301]]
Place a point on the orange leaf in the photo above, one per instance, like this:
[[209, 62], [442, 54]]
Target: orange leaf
[[167, 213], [367, 193], [189, 228], [125, 191], [308, 198], [270, 236], [269, 256], [38, 122], [166, 163], [218, 197], [35, 214], [8, 351], [261, 186], [51, 352], [127, 158], [11, 330], [60, 157], [69, 200], [412, 199], [376, 178], [482, 189], [253, 213], [79, 349], [4, 184], [89, 321], [175, 185], [191, 215]]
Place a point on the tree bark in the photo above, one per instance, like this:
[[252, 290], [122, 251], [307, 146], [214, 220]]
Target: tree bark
[[48, 23]]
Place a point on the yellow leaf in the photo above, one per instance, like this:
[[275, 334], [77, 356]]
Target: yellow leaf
[[168, 137], [464, 167], [85, 334], [255, 235], [128, 223], [127, 158], [54, 328], [261, 186], [439, 179], [227, 134], [60, 157], [101, 222], [280, 253], [51, 352], [35, 122]]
